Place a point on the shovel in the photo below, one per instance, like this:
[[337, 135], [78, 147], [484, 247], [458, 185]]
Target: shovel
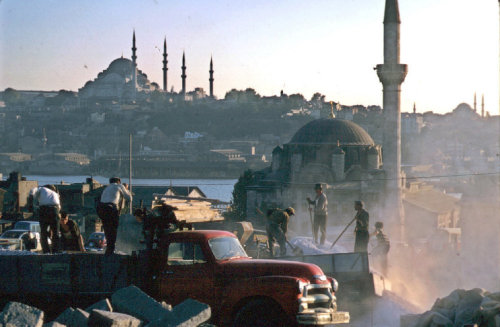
[[346, 227], [295, 249]]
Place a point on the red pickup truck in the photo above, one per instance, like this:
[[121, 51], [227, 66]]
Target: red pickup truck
[[212, 267], [209, 266]]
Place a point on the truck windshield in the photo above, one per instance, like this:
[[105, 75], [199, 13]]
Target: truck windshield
[[226, 248]]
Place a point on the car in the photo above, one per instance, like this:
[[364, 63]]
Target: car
[[29, 225], [20, 239], [96, 242]]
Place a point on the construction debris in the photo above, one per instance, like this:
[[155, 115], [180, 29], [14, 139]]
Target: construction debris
[[18, 314], [131, 300], [129, 307], [100, 318], [103, 305], [460, 308]]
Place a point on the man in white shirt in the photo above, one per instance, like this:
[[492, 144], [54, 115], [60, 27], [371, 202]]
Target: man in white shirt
[[50, 205], [109, 209]]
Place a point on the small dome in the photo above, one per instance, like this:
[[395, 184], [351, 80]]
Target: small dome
[[121, 66], [331, 131]]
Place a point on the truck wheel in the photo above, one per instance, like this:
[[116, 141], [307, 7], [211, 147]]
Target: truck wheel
[[260, 313]]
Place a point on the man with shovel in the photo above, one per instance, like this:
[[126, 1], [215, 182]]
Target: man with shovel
[[320, 213], [277, 226]]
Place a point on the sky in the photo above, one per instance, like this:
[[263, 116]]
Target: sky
[[327, 46]]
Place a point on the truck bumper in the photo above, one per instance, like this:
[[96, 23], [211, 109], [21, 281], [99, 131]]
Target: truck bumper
[[323, 318]]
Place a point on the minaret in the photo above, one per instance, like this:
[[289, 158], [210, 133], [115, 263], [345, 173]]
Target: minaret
[[414, 108], [482, 105], [183, 74], [165, 61], [392, 74], [134, 61], [475, 104], [211, 79]]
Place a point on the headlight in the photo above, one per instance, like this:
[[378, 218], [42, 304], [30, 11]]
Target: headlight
[[301, 284], [335, 284]]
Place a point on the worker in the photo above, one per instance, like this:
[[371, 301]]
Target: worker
[[277, 226], [155, 224], [382, 247], [71, 238], [362, 236], [109, 208], [49, 206], [320, 213]]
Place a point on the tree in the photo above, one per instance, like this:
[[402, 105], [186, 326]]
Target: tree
[[12, 97], [239, 208]]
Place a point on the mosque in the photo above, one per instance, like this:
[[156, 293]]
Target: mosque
[[343, 157], [337, 153], [123, 82]]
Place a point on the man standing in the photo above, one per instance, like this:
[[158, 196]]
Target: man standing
[[156, 224], [361, 230], [277, 226], [320, 213], [49, 207], [109, 209]]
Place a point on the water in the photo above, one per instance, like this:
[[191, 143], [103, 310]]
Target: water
[[220, 189]]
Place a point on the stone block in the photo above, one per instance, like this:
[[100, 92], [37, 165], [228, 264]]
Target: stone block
[[53, 324], [189, 313], [101, 318], [73, 317], [66, 317], [80, 318], [104, 305], [131, 300], [19, 314]]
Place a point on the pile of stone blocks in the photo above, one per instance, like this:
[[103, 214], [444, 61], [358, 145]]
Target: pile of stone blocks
[[129, 307], [475, 307]]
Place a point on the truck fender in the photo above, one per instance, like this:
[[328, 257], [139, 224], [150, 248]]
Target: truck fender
[[281, 289]]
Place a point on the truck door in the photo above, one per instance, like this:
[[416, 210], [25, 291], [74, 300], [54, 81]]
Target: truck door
[[187, 274]]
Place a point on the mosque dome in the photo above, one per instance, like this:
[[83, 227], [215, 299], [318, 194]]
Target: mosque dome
[[121, 66], [329, 131]]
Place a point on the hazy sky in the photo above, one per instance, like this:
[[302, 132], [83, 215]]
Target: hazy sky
[[328, 46]]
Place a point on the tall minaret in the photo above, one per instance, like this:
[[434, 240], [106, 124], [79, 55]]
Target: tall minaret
[[165, 61], [134, 61], [482, 105], [211, 79], [392, 74], [414, 108], [475, 102], [183, 74]]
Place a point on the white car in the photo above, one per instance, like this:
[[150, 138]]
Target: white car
[[19, 239]]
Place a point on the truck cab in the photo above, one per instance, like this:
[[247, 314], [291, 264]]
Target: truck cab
[[212, 267]]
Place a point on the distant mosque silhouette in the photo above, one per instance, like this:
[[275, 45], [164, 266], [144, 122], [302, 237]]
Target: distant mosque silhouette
[[123, 82]]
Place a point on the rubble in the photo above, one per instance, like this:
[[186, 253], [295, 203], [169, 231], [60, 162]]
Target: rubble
[[104, 305], [101, 318], [188, 313], [460, 308], [131, 300], [131, 308], [18, 314]]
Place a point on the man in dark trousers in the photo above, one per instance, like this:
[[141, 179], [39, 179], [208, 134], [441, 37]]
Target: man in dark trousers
[[162, 220], [361, 230], [277, 226], [50, 205], [109, 209], [320, 213]]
